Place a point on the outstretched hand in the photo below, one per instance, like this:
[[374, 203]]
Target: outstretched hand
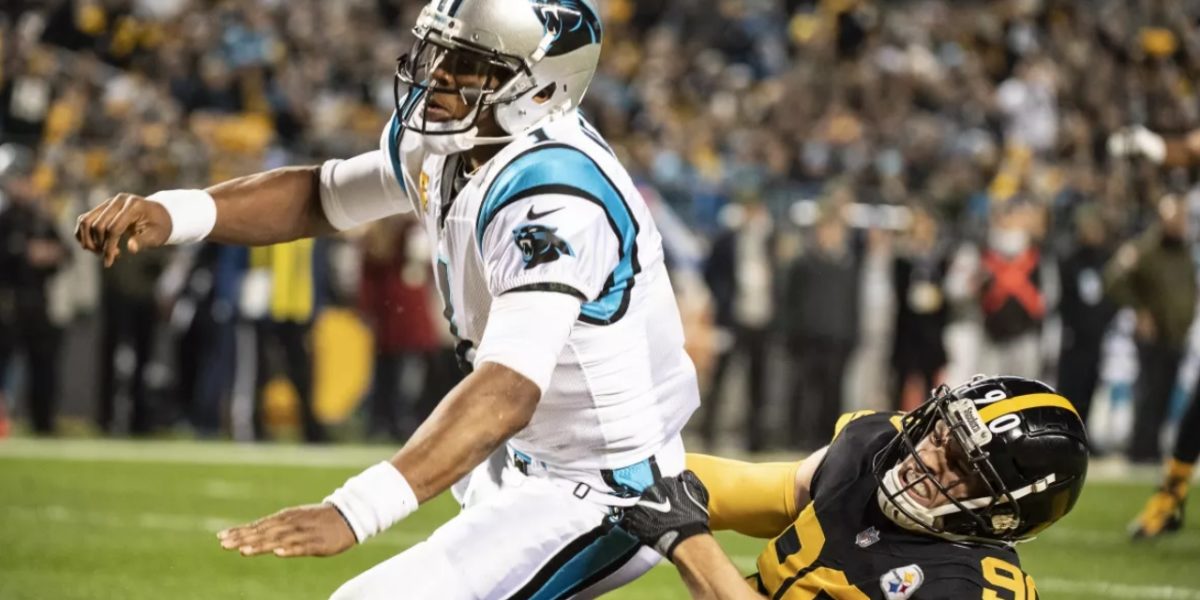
[[310, 530], [142, 223]]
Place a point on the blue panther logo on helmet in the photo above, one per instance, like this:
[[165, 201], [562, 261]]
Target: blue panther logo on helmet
[[539, 245], [574, 23]]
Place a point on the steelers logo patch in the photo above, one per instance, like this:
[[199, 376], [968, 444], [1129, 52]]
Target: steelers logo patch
[[902, 582]]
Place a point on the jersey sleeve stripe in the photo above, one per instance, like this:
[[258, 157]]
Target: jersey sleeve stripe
[[562, 169], [561, 288]]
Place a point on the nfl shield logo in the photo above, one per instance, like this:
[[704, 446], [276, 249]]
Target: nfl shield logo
[[867, 537], [902, 582]]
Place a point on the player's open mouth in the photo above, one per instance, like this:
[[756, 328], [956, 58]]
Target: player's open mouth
[[436, 112], [916, 488]]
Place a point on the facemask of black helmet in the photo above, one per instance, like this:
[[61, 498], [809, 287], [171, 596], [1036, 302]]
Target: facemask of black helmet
[[1000, 502]]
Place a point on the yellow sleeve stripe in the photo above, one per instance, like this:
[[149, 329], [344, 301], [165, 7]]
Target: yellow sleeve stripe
[[994, 411]]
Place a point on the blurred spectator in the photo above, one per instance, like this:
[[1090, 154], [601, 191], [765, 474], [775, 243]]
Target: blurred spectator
[[1156, 276], [199, 290], [30, 252], [129, 322], [918, 275], [287, 280], [1085, 310], [740, 274], [1011, 293], [821, 327], [394, 297], [1028, 102]]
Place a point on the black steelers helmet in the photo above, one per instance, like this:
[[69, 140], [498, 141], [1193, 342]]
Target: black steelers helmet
[[1022, 444]]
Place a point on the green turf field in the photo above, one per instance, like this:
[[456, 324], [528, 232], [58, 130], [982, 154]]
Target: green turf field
[[96, 520]]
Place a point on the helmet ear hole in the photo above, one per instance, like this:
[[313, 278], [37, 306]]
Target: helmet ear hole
[[545, 93]]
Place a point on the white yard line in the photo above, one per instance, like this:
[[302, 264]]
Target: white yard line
[[189, 452], [224, 489], [184, 523], [168, 522], [347, 455], [1071, 536]]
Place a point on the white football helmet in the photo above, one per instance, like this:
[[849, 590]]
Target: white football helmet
[[531, 47]]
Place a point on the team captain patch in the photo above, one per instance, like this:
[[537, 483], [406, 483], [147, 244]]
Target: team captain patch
[[901, 582]]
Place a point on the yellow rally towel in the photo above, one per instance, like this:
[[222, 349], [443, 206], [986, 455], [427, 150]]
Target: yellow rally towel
[[291, 267]]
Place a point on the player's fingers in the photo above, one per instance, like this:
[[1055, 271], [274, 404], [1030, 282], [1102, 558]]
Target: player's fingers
[[245, 543], [233, 538], [104, 214], [254, 533], [102, 227], [236, 536], [298, 543], [272, 540], [115, 227], [86, 229], [83, 232], [242, 536], [264, 535]]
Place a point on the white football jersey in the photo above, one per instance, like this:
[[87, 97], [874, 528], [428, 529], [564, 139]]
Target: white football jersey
[[556, 211]]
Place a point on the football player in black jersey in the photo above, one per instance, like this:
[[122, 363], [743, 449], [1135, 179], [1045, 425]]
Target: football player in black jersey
[[921, 505]]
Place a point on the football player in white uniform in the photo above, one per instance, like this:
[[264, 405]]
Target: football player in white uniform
[[553, 278]]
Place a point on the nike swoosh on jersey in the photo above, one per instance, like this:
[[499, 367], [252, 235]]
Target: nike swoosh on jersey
[[533, 215]]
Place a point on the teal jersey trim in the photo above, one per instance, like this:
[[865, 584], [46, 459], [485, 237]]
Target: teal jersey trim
[[561, 169]]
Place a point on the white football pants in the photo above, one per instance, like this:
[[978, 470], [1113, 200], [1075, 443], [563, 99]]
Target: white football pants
[[532, 538]]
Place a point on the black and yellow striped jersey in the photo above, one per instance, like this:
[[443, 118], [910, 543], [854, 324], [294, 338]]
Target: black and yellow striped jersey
[[842, 547]]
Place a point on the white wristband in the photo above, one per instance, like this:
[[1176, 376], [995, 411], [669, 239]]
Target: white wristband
[[193, 214], [374, 500]]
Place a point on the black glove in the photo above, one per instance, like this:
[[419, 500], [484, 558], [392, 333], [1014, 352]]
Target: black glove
[[670, 511]]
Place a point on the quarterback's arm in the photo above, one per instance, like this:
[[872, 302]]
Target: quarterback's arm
[[275, 206], [755, 499], [298, 202], [526, 332]]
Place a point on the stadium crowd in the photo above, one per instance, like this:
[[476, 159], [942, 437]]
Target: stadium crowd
[[859, 197]]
